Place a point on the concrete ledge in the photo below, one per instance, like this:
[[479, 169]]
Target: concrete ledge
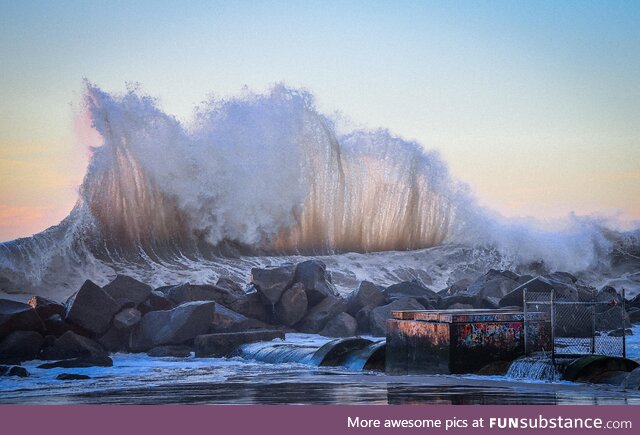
[[224, 344]]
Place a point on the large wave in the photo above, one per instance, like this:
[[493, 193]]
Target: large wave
[[268, 175]]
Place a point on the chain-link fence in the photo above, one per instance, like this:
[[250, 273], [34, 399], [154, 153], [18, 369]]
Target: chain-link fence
[[590, 323]]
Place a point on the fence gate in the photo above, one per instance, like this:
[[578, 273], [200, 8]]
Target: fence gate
[[589, 324]]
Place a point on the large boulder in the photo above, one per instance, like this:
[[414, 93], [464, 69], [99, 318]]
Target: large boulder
[[71, 345], [380, 315], [21, 372], [540, 286], [127, 319], [127, 291], [179, 325], [341, 325], [20, 346], [366, 295], [114, 340], [292, 305], [363, 319], [318, 316], [313, 275], [412, 289], [16, 316], [46, 307], [91, 308], [227, 320], [221, 345], [90, 361], [157, 301], [491, 287], [272, 282]]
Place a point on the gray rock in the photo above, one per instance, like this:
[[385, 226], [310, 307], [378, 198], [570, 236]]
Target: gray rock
[[72, 377], [127, 319], [91, 308], [45, 307], [16, 316], [227, 320], [363, 319], [114, 340], [176, 326], [341, 325], [292, 305], [634, 315], [14, 371], [366, 295], [71, 345], [632, 382], [93, 361], [20, 346], [127, 291], [412, 289], [221, 345], [380, 315], [272, 282], [540, 284], [313, 275], [491, 287], [318, 316], [157, 301], [170, 351]]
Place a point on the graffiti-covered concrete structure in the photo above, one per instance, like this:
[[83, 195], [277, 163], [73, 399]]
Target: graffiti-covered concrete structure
[[460, 341]]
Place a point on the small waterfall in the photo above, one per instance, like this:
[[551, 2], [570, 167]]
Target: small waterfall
[[537, 368], [278, 353], [371, 357]]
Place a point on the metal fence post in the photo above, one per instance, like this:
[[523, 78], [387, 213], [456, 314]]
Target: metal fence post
[[593, 323], [553, 328], [526, 321], [624, 326]]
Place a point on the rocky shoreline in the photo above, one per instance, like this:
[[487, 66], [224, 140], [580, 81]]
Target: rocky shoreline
[[127, 315]]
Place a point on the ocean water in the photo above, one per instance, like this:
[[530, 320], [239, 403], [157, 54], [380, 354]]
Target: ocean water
[[139, 379]]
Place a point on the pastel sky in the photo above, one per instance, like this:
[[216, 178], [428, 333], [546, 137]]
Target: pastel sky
[[535, 104]]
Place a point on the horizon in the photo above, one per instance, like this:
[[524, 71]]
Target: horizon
[[534, 107]]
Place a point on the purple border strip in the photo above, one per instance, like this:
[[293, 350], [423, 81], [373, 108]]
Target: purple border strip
[[283, 420]]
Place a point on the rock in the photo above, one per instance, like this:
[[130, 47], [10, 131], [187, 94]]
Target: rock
[[272, 282], [292, 305], [412, 289], [632, 382], [157, 301], [45, 307], [14, 371], [114, 340], [127, 319], [565, 277], [71, 345], [93, 361], [461, 298], [229, 284], [366, 295], [318, 316], [127, 291], [170, 351], [491, 287], [341, 325], [312, 274], [252, 306], [20, 346], [176, 326], [227, 320], [634, 303], [72, 377], [16, 316], [221, 345], [543, 285], [55, 325], [363, 319], [459, 306], [380, 315], [91, 308], [458, 286], [634, 315]]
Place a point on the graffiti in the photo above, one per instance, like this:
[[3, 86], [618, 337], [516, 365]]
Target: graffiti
[[507, 335]]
